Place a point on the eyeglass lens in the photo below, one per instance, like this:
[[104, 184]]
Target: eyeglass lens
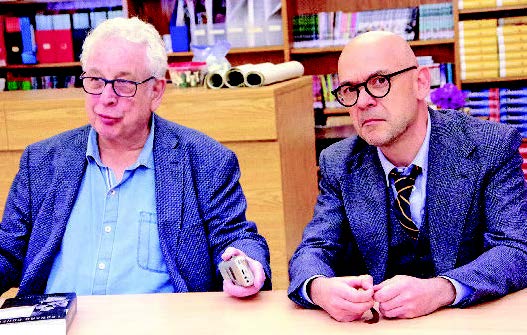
[[377, 87], [122, 88]]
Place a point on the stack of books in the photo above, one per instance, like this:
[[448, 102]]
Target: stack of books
[[513, 108], [436, 21], [336, 28], [506, 105], [478, 4], [512, 38], [478, 49]]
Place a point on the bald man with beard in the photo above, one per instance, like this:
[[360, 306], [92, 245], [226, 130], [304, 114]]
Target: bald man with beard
[[456, 238]]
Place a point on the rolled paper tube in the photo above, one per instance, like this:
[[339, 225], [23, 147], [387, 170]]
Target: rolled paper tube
[[215, 80], [234, 78], [266, 75]]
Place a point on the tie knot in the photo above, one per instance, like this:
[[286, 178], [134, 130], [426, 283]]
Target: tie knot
[[397, 176]]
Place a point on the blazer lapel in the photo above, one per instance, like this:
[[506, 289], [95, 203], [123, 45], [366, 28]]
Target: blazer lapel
[[70, 171], [169, 177], [364, 194], [451, 174]]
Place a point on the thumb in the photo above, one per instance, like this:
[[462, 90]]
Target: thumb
[[359, 282]]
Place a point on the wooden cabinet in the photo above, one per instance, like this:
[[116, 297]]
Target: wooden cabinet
[[271, 130]]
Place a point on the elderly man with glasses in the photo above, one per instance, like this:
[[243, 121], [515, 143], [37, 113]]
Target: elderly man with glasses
[[130, 203], [423, 209]]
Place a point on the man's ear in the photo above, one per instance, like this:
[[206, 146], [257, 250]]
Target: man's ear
[[422, 84], [158, 90]]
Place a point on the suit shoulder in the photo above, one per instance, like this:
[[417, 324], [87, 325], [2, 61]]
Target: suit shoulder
[[59, 141], [486, 135], [192, 140]]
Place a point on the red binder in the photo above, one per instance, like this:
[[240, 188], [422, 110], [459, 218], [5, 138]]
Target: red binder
[[3, 53], [63, 45], [45, 46]]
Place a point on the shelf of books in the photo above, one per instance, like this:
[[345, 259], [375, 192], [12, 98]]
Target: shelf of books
[[254, 29], [493, 62]]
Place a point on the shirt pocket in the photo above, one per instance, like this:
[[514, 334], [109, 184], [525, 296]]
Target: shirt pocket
[[149, 255]]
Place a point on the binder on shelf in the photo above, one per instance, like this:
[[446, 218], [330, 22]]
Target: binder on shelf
[[273, 22], [3, 52], [80, 29], [63, 38], [29, 47], [114, 13], [44, 38], [236, 22], [97, 18], [13, 40], [179, 34]]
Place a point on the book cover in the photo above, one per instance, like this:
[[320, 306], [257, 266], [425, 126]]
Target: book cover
[[13, 40], [38, 314]]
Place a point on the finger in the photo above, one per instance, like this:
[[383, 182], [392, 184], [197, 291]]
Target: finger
[[258, 272], [231, 252], [353, 307], [359, 295], [362, 281], [398, 312], [391, 304], [387, 292], [238, 291], [367, 282]]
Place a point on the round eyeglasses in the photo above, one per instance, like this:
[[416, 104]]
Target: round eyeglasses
[[377, 86], [121, 87]]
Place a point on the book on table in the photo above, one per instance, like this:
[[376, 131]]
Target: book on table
[[38, 314]]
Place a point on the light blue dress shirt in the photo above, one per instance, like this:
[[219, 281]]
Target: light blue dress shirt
[[111, 243]]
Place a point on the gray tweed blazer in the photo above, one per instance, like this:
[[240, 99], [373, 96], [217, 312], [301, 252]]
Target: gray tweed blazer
[[200, 208], [476, 208]]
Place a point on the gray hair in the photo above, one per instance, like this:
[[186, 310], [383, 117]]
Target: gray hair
[[133, 30]]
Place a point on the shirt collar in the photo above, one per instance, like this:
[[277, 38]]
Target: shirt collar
[[421, 159], [145, 158]]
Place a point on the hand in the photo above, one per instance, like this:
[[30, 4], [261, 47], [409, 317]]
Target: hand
[[256, 268], [344, 298], [410, 297]]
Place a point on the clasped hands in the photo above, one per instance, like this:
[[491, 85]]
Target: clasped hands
[[347, 298]]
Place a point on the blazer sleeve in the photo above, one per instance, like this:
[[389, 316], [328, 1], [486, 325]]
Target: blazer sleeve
[[224, 208], [502, 267], [15, 227], [323, 238]]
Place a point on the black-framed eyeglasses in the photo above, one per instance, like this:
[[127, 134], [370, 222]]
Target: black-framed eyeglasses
[[121, 87], [377, 86]]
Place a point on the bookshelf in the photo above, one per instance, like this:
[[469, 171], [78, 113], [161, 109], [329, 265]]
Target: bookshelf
[[315, 60], [491, 13], [322, 60]]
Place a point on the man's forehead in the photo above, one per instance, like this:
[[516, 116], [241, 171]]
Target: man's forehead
[[357, 75]]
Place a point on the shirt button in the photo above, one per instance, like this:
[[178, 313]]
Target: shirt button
[[102, 266], [107, 229], [113, 192]]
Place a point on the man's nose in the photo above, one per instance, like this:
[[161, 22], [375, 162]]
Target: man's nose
[[365, 99], [108, 92]]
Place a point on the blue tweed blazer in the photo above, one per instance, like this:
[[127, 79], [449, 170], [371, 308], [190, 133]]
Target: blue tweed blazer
[[476, 208], [200, 208]]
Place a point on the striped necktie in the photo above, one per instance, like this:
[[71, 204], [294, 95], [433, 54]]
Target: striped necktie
[[404, 186]]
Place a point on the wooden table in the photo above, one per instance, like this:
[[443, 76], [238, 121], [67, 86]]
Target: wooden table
[[273, 313]]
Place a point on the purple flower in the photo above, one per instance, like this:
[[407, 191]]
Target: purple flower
[[448, 96]]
